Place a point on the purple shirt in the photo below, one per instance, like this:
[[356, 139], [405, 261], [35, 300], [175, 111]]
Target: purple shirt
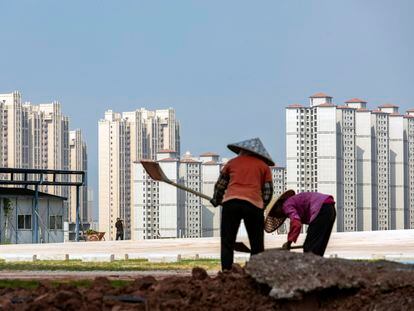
[[305, 206]]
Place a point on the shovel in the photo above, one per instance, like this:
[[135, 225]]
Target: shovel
[[241, 247], [155, 171]]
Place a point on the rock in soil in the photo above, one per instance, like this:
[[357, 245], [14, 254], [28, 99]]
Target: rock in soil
[[334, 284]]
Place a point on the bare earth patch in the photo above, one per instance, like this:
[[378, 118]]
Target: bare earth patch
[[271, 281]]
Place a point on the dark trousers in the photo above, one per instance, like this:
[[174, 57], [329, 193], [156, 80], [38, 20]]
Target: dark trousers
[[319, 230], [119, 235], [232, 214]]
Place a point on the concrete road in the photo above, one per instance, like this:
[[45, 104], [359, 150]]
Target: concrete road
[[392, 245]]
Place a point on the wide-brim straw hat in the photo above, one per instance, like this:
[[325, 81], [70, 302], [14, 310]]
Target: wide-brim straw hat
[[272, 222], [254, 146]]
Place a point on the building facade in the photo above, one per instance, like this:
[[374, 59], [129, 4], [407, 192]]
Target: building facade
[[211, 165], [361, 157], [14, 132], [78, 162], [48, 140], [125, 138], [163, 211], [17, 215], [409, 168], [37, 136]]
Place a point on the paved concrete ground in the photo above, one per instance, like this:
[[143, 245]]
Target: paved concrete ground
[[392, 245]]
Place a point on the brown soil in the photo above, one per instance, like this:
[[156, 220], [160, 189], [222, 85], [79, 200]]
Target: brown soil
[[234, 290]]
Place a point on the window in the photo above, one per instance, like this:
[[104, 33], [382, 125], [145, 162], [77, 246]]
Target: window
[[24, 222], [55, 222]]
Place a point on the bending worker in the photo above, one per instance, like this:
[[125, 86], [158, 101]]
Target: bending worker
[[312, 208], [244, 188]]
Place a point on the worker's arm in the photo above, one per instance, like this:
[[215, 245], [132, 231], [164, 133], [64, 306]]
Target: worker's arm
[[289, 208], [294, 231], [219, 189]]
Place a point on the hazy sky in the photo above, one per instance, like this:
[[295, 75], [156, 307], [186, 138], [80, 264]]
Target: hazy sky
[[229, 68]]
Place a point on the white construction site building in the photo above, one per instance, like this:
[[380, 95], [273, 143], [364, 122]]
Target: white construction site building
[[361, 157], [17, 213], [125, 138]]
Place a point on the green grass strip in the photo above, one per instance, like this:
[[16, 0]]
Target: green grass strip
[[117, 265]]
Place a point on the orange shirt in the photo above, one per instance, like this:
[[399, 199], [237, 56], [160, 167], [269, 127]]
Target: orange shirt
[[248, 175]]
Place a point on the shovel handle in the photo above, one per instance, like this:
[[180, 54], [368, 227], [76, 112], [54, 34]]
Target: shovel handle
[[201, 195], [241, 247]]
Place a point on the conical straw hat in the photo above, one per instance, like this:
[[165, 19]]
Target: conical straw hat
[[272, 222], [254, 146]]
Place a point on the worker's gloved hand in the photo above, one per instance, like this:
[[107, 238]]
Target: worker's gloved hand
[[287, 245], [214, 202]]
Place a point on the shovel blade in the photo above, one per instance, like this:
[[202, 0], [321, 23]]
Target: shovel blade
[[241, 247], [154, 170]]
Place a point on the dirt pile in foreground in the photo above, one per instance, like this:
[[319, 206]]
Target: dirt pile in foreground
[[231, 291], [277, 281], [314, 283]]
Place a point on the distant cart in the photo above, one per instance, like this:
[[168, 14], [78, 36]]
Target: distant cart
[[95, 236]]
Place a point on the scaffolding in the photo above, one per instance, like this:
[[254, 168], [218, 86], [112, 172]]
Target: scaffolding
[[44, 177]]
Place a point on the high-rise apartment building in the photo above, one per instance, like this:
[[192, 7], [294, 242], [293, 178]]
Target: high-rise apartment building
[[359, 156], [123, 139], [14, 132], [363, 207], [78, 162], [48, 139], [211, 216], [36, 136], [155, 211], [279, 180], [163, 211], [409, 168], [346, 168], [279, 186], [91, 201]]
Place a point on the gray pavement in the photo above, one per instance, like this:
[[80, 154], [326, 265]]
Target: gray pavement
[[392, 245]]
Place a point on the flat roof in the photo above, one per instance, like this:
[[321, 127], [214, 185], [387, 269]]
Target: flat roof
[[4, 191]]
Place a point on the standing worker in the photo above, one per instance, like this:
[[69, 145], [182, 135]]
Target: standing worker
[[119, 229], [244, 188], [312, 208]]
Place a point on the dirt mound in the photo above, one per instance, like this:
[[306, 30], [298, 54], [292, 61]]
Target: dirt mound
[[233, 290], [319, 283], [271, 281]]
